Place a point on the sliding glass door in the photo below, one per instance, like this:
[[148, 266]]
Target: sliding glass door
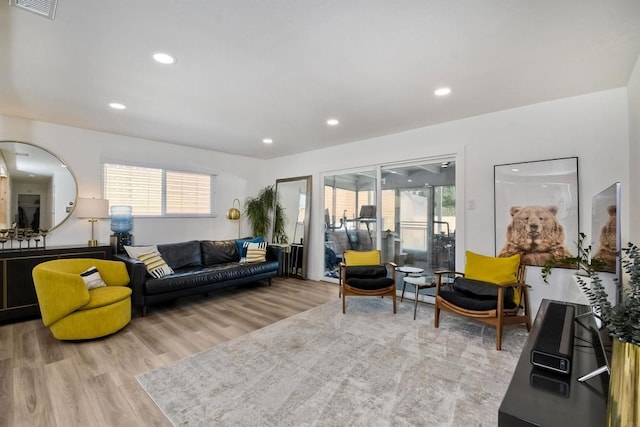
[[350, 216], [418, 209], [411, 219]]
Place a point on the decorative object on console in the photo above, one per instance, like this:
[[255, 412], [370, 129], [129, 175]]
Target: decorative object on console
[[233, 214], [92, 209], [21, 234], [121, 225]]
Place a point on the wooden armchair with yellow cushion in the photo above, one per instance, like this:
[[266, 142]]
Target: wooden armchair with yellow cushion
[[476, 292], [362, 274], [73, 311]]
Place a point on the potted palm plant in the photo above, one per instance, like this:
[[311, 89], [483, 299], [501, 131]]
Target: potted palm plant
[[622, 321], [261, 209]]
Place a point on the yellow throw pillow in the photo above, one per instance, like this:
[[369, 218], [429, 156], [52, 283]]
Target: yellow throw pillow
[[362, 257], [492, 269], [498, 270]]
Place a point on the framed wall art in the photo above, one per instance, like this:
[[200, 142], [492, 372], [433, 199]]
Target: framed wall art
[[536, 209]]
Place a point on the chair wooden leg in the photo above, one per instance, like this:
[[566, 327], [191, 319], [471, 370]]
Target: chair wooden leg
[[525, 298], [344, 304], [500, 318], [394, 303], [436, 317]]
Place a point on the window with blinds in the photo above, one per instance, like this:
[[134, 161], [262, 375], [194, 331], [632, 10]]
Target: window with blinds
[[159, 192]]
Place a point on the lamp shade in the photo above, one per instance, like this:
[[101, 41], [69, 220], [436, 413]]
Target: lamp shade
[[234, 213], [92, 208]]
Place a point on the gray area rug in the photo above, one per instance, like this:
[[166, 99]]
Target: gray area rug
[[367, 367]]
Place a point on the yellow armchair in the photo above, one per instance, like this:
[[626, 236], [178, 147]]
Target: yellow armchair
[[73, 312]]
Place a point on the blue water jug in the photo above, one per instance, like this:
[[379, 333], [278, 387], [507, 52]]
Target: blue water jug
[[121, 219]]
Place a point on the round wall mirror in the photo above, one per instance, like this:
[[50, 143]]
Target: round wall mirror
[[37, 189]]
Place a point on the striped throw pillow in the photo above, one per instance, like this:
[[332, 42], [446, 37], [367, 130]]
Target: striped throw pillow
[[92, 278], [156, 266], [256, 252]]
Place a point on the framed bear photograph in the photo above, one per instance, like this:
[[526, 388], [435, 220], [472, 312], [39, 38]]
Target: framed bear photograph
[[536, 209]]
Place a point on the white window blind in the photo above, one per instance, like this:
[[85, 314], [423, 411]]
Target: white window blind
[[188, 193], [159, 192]]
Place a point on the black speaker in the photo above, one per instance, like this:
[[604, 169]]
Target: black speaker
[[553, 348]]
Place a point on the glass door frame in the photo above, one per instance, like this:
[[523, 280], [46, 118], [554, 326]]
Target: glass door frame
[[459, 180]]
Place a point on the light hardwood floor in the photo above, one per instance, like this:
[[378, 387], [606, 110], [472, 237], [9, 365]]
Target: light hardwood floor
[[48, 382]]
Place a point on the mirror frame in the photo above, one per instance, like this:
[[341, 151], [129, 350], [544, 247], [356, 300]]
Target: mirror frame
[[62, 162], [307, 218]]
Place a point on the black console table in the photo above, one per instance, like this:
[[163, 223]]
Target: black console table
[[18, 299], [538, 397]]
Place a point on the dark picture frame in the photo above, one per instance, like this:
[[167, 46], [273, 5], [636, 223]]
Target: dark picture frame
[[537, 209]]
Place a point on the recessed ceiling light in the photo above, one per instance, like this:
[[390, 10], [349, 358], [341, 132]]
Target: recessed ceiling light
[[515, 170], [117, 106], [164, 58], [333, 122], [443, 91], [267, 140]]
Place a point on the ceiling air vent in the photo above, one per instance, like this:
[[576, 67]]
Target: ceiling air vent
[[41, 7]]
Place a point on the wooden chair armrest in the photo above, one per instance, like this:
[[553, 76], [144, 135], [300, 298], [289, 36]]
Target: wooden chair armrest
[[443, 272]]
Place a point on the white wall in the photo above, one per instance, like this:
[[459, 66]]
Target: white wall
[[593, 127], [633, 90], [83, 150]]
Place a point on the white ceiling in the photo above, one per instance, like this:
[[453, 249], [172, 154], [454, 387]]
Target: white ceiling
[[250, 69]]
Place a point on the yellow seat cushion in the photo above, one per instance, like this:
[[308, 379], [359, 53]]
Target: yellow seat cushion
[[362, 257], [499, 270], [99, 297], [99, 322]]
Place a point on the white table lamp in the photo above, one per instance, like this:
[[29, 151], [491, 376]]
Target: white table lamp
[[92, 209]]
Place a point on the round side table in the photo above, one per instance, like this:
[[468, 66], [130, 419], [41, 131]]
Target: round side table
[[421, 282], [408, 271]]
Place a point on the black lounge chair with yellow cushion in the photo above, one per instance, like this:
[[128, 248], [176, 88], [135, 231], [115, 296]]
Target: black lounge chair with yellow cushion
[[70, 309], [475, 293], [362, 274]]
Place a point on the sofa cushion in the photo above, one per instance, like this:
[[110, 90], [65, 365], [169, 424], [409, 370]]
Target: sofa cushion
[[370, 284], [155, 264], [256, 252], [106, 295], [242, 250], [492, 269], [184, 254], [134, 251], [92, 278], [366, 271], [192, 277], [478, 290], [218, 251]]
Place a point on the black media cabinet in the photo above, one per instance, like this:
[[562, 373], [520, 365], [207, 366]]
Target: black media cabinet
[[538, 397]]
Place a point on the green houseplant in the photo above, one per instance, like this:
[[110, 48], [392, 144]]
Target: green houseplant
[[261, 209], [622, 321]]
